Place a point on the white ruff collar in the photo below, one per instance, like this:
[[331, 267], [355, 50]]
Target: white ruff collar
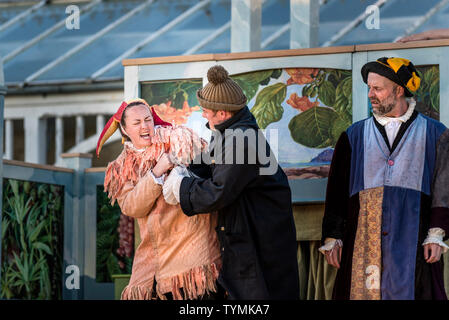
[[411, 107]]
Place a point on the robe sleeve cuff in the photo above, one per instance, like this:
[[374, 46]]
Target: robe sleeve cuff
[[329, 244], [436, 235]]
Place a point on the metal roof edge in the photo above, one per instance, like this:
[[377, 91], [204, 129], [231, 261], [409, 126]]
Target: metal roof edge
[[64, 87]]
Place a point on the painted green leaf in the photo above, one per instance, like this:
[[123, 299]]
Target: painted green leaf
[[304, 91], [276, 73], [35, 233], [42, 246], [428, 76], [435, 95], [253, 77], [175, 91], [326, 93], [178, 100], [347, 86], [267, 108], [112, 265], [314, 92], [307, 90], [349, 105], [249, 89], [343, 100], [340, 124], [265, 82], [157, 93], [313, 128], [249, 82], [190, 88]]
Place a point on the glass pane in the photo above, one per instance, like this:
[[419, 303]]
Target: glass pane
[[395, 16], [275, 14], [117, 41], [438, 21], [189, 32], [64, 39], [9, 12], [221, 44], [30, 27], [281, 43], [116, 72]]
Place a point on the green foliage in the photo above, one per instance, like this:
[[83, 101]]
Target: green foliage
[[318, 127], [313, 128], [175, 91], [267, 108], [321, 127], [343, 93], [428, 94], [326, 93], [32, 240], [107, 261], [250, 82]]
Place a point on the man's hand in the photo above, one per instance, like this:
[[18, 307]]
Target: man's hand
[[432, 252], [333, 257], [162, 166]]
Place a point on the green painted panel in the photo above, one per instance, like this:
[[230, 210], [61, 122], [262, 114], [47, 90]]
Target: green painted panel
[[32, 240]]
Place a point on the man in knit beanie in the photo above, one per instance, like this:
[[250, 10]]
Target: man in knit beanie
[[255, 229]]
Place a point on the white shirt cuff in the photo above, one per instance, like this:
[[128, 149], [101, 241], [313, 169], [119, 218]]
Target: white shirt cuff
[[159, 180], [329, 244], [436, 235]]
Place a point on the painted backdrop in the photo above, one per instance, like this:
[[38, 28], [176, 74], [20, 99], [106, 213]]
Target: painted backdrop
[[308, 108]]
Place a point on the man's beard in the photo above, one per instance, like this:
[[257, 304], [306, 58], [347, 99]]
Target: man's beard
[[383, 107]]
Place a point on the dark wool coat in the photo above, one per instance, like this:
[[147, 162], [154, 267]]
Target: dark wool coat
[[255, 222], [407, 213]]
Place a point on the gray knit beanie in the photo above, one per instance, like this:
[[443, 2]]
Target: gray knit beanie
[[221, 93]]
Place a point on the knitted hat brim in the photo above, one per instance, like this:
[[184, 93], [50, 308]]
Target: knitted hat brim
[[219, 106], [383, 70]]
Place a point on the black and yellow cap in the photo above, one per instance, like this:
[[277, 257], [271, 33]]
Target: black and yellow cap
[[398, 70]]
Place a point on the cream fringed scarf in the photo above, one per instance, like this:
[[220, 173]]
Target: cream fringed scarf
[[180, 142]]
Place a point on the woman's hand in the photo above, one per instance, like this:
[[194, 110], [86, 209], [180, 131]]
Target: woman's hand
[[162, 166]]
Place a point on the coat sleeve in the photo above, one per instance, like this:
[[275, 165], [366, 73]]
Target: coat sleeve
[[200, 168], [337, 192], [207, 195], [137, 201], [440, 189]]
